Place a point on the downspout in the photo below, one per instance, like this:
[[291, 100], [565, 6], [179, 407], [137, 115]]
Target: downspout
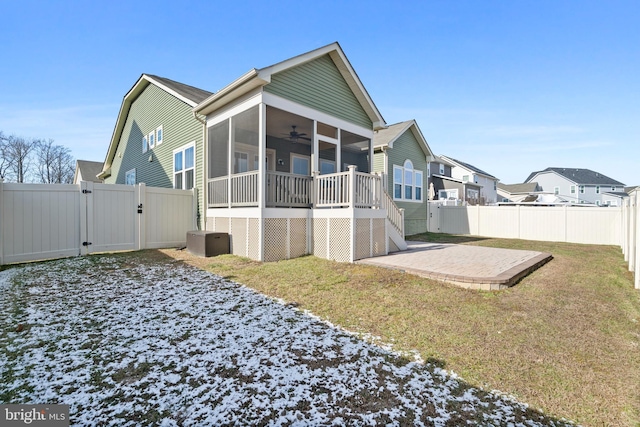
[[204, 170]]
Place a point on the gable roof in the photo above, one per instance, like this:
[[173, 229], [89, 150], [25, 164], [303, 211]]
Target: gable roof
[[260, 77], [579, 176], [386, 137], [468, 167], [188, 94], [88, 170], [527, 187]]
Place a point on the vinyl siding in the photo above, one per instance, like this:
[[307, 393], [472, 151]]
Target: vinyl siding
[[318, 84], [378, 161], [407, 147], [152, 108]]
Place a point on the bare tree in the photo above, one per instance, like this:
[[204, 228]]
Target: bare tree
[[17, 151], [55, 163], [5, 162]]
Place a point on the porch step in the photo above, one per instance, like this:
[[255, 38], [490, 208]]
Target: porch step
[[396, 241]]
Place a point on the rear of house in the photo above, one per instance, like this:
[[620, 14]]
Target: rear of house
[[281, 158]]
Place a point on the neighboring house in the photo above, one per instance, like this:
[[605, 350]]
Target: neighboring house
[[401, 152], [87, 171], [580, 185], [157, 140], [451, 183], [467, 173], [512, 193], [528, 193], [286, 169]]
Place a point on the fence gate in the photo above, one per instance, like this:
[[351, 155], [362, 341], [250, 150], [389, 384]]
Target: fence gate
[[433, 222], [110, 217]]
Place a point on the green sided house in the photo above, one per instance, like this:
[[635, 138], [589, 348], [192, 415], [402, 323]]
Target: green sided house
[[282, 158], [401, 153], [156, 138]]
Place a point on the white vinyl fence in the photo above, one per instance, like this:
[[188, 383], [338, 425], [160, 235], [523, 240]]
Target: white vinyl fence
[[44, 221], [590, 225]]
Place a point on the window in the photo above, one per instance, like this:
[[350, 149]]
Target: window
[[441, 169], [556, 190], [241, 162], [407, 182], [448, 194], [418, 175], [184, 167], [597, 189], [152, 139], [159, 135], [613, 189], [397, 182], [573, 189], [495, 185], [327, 166], [130, 177], [597, 202], [465, 178], [145, 144], [581, 189], [300, 165]]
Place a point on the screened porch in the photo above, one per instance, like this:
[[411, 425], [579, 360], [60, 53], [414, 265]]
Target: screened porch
[[307, 163]]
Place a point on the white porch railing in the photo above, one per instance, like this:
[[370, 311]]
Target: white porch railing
[[244, 189], [395, 215], [337, 190], [348, 189], [288, 190], [218, 192]]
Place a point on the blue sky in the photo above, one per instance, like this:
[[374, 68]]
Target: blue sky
[[508, 86]]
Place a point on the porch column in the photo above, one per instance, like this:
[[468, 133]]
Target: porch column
[[262, 176]]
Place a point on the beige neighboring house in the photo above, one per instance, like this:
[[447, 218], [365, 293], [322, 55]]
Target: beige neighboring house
[[87, 170]]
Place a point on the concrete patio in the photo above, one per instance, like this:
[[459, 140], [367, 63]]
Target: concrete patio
[[472, 267]]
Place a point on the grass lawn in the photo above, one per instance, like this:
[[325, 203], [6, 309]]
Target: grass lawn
[[566, 339], [140, 338]]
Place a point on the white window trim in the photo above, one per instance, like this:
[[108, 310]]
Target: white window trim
[[581, 189], [556, 191], [299, 156], [597, 189], [128, 174], [159, 131], [173, 170], [145, 143], [441, 169], [573, 189], [234, 159], [414, 184]]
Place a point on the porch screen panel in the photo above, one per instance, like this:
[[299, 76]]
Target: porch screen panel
[[245, 141], [355, 151], [218, 150]]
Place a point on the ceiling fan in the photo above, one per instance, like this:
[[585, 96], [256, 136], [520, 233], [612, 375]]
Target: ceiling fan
[[294, 135]]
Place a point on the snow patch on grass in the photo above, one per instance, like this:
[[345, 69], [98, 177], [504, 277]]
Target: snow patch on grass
[[138, 341]]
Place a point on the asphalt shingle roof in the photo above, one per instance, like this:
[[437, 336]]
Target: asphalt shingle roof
[[470, 167], [193, 93], [581, 176]]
